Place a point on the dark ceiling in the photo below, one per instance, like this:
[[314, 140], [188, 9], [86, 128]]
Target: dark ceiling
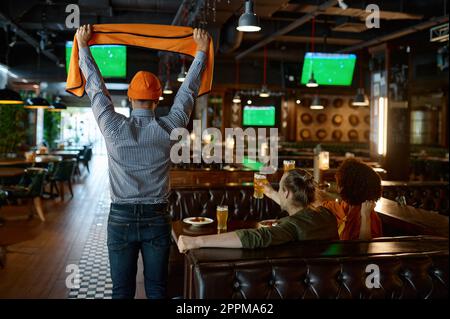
[[29, 24]]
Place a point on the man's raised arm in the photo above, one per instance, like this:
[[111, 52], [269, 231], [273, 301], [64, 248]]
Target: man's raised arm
[[184, 100], [108, 120]]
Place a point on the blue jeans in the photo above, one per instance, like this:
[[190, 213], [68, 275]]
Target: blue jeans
[[133, 228]]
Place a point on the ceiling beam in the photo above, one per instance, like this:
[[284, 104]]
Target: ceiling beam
[[28, 38], [353, 12], [307, 17], [398, 34]]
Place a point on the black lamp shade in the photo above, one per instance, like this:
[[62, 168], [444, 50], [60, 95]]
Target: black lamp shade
[[57, 107], [8, 96], [316, 104], [36, 103], [248, 21], [360, 98], [312, 83]]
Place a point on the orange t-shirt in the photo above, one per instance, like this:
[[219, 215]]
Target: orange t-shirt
[[349, 220]]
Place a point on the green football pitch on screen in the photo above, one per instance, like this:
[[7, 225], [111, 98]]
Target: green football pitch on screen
[[259, 116], [111, 59], [329, 68]]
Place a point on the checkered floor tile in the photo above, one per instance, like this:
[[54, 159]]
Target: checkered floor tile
[[95, 281]]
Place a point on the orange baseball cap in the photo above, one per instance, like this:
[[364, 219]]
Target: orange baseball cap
[[144, 86]]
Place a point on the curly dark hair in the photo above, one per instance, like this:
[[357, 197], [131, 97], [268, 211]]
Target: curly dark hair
[[302, 185], [358, 182]]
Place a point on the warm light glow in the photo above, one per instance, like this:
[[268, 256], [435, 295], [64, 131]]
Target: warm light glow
[[316, 107], [248, 28], [161, 98], [298, 101], [168, 91], [312, 84], [324, 160], [382, 125], [207, 138], [10, 102], [35, 107], [237, 99], [264, 94], [249, 102]]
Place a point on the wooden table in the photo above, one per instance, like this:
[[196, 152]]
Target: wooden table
[[40, 159], [10, 172], [181, 228], [420, 220]]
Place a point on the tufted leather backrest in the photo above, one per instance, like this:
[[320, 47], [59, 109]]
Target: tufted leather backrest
[[190, 201], [410, 267]]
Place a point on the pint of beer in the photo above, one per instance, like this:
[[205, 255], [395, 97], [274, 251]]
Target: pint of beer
[[222, 217], [259, 181], [288, 165]]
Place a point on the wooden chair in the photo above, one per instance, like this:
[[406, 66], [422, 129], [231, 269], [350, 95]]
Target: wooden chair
[[30, 187]]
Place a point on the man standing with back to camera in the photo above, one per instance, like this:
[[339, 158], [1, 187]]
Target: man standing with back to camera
[[139, 158]]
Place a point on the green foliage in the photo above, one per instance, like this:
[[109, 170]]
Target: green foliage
[[52, 129], [13, 128]]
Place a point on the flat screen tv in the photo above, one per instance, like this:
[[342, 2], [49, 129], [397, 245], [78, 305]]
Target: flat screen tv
[[259, 115], [329, 68], [111, 59]]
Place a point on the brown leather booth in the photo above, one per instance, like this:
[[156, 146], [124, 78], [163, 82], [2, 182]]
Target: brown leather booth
[[410, 268], [202, 201]]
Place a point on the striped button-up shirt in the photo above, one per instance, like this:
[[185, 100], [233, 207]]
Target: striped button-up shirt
[[139, 146]]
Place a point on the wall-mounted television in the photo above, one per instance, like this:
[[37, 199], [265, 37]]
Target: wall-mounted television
[[329, 68], [259, 115], [111, 59]]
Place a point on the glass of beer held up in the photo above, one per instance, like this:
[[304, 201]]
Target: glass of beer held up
[[222, 217], [259, 181], [288, 165]]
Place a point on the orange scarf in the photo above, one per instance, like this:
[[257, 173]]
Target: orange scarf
[[160, 37], [349, 220]]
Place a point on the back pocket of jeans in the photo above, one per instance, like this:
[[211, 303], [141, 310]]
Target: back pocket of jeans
[[117, 235]]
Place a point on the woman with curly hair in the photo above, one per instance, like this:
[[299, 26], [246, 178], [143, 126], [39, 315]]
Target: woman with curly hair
[[359, 187]]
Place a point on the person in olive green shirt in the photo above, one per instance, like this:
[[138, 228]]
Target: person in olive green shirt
[[296, 195]]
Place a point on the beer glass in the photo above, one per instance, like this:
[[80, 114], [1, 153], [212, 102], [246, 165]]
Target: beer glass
[[259, 181], [288, 165], [222, 217]]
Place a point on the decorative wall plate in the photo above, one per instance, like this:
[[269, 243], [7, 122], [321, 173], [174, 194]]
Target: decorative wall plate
[[338, 102], [353, 135], [325, 102], [321, 118], [336, 135], [306, 118], [305, 134], [321, 134], [353, 119], [337, 119]]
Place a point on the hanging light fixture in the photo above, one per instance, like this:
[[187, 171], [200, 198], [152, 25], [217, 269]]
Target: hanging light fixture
[[57, 106], [182, 75], [316, 104], [161, 98], [36, 103], [264, 91], [8, 96], [237, 98], [167, 88], [360, 98], [312, 83], [248, 21]]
